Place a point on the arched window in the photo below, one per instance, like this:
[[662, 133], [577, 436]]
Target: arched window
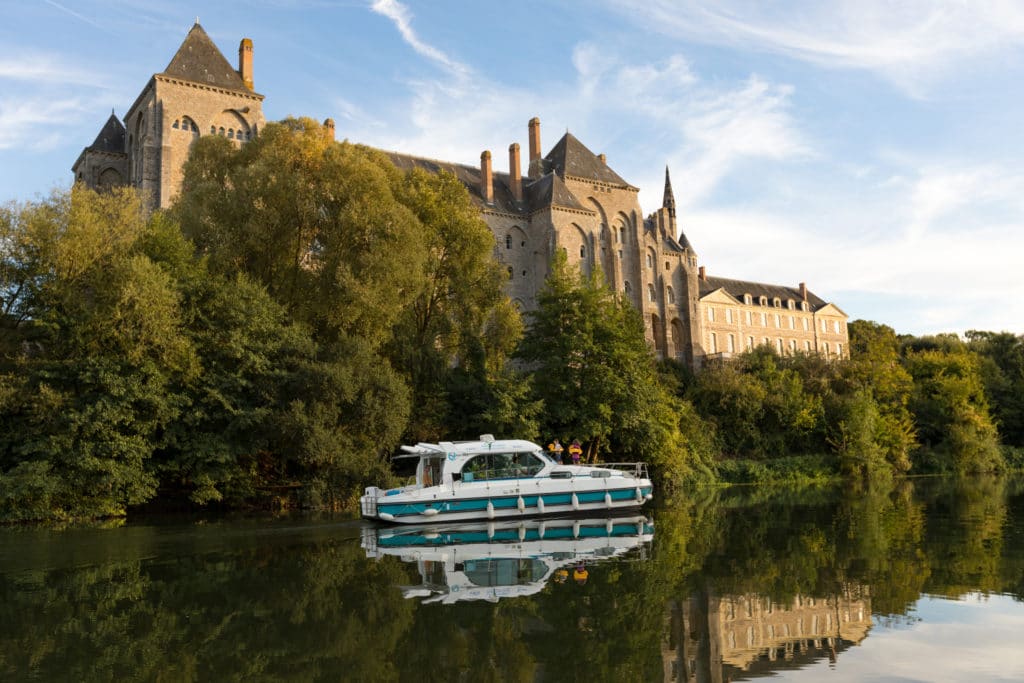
[[220, 131], [508, 241], [625, 286], [650, 294], [213, 130], [671, 295], [231, 133], [776, 302], [763, 300], [175, 124], [622, 234], [510, 272], [650, 260], [747, 299]]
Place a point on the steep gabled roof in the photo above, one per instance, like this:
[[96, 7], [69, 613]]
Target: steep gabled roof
[[550, 190], [737, 288], [111, 137], [198, 60], [569, 156]]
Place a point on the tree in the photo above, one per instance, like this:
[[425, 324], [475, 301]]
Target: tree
[[594, 372]]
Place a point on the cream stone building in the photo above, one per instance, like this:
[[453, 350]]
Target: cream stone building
[[569, 199]]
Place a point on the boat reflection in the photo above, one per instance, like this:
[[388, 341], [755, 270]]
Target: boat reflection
[[490, 561]]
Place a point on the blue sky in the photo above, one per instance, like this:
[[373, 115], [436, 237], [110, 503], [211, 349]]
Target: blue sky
[[871, 149]]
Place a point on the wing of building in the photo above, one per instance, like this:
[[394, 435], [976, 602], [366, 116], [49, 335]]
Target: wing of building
[[570, 199]]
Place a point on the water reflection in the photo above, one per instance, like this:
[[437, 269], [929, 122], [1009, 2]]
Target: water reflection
[[909, 582], [494, 560], [735, 637]]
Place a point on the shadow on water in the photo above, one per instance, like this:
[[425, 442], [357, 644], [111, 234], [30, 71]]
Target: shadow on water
[[724, 584]]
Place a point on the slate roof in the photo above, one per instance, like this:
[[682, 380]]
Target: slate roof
[[111, 137], [569, 156], [738, 288], [198, 60], [550, 190]]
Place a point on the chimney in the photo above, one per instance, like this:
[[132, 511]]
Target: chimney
[[603, 158], [515, 177], [329, 127], [245, 62], [486, 179], [803, 291], [702, 273], [534, 126]]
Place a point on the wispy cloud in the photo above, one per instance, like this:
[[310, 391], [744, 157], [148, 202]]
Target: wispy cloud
[[43, 69], [28, 123], [400, 15], [905, 42], [75, 14]]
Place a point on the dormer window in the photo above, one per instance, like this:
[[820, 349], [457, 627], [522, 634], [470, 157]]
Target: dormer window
[[763, 300], [803, 306], [776, 302], [747, 299], [790, 304]]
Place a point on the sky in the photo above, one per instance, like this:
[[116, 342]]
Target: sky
[[871, 149]]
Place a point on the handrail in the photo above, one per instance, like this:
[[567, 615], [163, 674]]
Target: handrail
[[639, 469]]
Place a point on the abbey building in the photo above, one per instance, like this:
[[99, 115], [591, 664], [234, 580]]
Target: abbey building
[[568, 199]]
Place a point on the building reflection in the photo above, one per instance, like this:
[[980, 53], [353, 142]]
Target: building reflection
[[718, 638]]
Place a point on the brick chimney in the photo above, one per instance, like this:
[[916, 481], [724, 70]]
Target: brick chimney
[[702, 273], [329, 127], [534, 127], [803, 291], [486, 178], [245, 62], [515, 177]]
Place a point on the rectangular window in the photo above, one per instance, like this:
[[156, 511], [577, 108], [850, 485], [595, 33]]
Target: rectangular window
[[711, 314], [778, 321], [748, 318], [764, 320], [824, 327], [732, 344], [750, 343], [807, 345], [835, 326], [728, 315], [714, 343], [805, 324], [839, 350], [778, 346], [792, 323]]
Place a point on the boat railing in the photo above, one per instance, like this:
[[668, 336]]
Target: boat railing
[[637, 470]]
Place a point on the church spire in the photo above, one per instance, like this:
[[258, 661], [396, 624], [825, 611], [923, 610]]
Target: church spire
[[669, 201]]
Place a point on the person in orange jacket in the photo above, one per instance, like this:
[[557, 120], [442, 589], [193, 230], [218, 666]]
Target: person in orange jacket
[[575, 451]]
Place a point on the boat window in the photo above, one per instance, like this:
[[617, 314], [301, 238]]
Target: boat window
[[504, 571], [501, 466], [432, 471]]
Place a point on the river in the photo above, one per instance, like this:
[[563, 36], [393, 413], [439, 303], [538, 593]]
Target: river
[[919, 582]]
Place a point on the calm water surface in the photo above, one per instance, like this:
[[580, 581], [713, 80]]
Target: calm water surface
[[920, 583]]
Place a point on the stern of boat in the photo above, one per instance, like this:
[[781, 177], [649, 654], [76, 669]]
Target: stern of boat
[[368, 501]]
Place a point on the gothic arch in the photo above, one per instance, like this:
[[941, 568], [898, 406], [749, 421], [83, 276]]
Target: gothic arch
[[678, 346], [659, 337], [109, 177]]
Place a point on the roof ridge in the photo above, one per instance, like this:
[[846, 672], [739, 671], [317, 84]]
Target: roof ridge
[[199, 60]]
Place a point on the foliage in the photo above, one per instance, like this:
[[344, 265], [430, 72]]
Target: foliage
[[597, 378]]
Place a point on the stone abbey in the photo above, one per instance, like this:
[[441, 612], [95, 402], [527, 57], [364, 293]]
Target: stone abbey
[[569, 199]]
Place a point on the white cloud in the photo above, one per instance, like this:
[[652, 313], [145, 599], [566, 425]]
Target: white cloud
[[41, 69], [400, 15], [30, 123], [905, 42]]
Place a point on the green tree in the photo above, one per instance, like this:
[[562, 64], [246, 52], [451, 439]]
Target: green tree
[[598, 380]]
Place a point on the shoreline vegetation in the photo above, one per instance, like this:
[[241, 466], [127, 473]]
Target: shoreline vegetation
[[305, 307]]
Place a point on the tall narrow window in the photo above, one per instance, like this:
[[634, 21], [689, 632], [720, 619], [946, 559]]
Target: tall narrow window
[[671, 295], [728, 315], [650, 294], [510, 272], [711, 314], [583, 251], [508, 241], [732, 344], [714, 343]]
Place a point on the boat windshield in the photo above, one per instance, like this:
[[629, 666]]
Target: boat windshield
[[488, 466], [504, 571]]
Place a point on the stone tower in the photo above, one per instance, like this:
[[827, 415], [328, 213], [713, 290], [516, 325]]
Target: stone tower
[[199, 93]]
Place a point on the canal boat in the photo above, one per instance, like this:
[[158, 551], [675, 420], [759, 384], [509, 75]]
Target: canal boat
[[506, 559], [494, 479]]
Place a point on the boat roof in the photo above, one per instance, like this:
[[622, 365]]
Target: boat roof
[[470, 447]]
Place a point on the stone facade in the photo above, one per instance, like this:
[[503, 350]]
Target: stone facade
[[569, 200], [199, 93]]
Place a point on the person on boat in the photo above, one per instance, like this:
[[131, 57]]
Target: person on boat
[[580, 574], [561, 575], [575, 451], [555, 448]]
